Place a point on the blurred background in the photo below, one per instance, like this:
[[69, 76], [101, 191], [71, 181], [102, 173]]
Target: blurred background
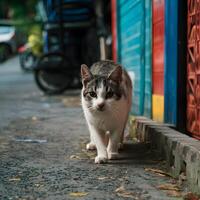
[[52, 38], [17, 21], [46, 41]]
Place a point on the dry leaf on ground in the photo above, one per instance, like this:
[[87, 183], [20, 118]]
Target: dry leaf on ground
[[123, 193], [190, 196], [78, 194], [15, 179], [157, 171], [102, 178], [120, 189], [75, 157], [126, 195], [34, 118], [168, 186], [174, 193], [89, 154]]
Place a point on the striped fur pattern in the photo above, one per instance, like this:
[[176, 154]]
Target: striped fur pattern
[[106, 102]]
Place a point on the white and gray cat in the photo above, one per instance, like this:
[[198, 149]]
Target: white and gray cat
[[106, 101]]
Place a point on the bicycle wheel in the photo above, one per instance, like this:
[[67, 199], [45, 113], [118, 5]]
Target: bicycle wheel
[[51, 74]]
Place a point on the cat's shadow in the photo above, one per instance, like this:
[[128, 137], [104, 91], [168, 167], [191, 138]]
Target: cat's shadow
[[137, 153]]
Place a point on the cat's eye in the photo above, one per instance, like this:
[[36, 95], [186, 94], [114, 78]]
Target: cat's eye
[[109, 95], [93, 94]]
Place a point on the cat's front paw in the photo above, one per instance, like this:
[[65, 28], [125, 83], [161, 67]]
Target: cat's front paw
[[113, 155], [90, 146], [100, 160]]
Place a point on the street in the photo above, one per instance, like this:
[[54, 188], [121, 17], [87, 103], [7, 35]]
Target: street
[[43, 156]]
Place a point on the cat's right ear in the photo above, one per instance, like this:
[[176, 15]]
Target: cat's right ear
[[86, 75]]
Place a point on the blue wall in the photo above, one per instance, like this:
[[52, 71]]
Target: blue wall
[[134, 49], [171, 61]]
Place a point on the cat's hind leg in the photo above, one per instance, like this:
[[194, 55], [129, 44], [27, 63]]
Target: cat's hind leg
[[121, 143], [113, 145]]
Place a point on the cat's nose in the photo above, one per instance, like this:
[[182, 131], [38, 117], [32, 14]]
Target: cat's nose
[[100, 106]]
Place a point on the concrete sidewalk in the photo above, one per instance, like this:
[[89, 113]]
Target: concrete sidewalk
[[181, 152], [43, 156]]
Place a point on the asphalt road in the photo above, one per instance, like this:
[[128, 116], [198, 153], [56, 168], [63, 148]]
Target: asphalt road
[[43, 156]]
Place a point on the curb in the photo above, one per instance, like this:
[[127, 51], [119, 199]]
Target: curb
[[181, 152]]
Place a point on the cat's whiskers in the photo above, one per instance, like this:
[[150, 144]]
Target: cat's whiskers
[[92, 109]]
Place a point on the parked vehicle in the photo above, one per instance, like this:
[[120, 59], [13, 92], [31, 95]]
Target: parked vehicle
[[8, 43], [69, 28], [10, 39], [30, 52]]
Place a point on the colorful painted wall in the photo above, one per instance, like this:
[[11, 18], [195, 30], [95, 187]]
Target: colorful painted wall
[[158, 23], [193, 68], [133, 43], [149, 41]]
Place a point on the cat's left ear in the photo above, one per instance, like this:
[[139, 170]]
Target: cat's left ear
[[116, 75], [86, 75]]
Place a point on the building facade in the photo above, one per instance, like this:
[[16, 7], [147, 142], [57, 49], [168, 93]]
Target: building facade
[[158, 42]]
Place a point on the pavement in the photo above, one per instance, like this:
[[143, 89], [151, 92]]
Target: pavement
[[181, 152], [43, 156]]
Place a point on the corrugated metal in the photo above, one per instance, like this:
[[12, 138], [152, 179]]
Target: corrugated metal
[[148, 59], [171, 62], [158, 60], [134, 49], [193, 69]]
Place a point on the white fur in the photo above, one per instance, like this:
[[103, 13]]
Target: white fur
[[107, 127], [100, 98]]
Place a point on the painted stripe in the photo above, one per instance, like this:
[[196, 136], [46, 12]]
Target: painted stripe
[[158, 107], [171, 62]]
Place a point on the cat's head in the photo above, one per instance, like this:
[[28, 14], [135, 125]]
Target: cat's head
[[101, 92]]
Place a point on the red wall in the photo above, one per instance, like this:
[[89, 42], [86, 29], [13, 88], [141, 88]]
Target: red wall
[[158, 47], [193, 69]]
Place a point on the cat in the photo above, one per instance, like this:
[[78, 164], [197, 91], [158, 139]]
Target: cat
[[106, 101]]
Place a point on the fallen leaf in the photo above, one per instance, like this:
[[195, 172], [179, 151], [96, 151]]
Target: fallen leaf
[[157, 171], [78, 194], [126, 195], [34, 118], [168, 186], [90, 154], [75, 157], [38, 185], [102, 178], [87, 154], [15, 179], [123, 193], [120, 189], [173, 193], [191, 196]]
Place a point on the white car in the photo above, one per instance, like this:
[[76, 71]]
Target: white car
[[8, 42]]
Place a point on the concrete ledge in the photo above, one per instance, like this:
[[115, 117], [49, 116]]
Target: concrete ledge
[[181, 152]]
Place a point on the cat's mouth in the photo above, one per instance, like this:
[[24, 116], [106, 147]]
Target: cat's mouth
[[96, 109], [100, 109]]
